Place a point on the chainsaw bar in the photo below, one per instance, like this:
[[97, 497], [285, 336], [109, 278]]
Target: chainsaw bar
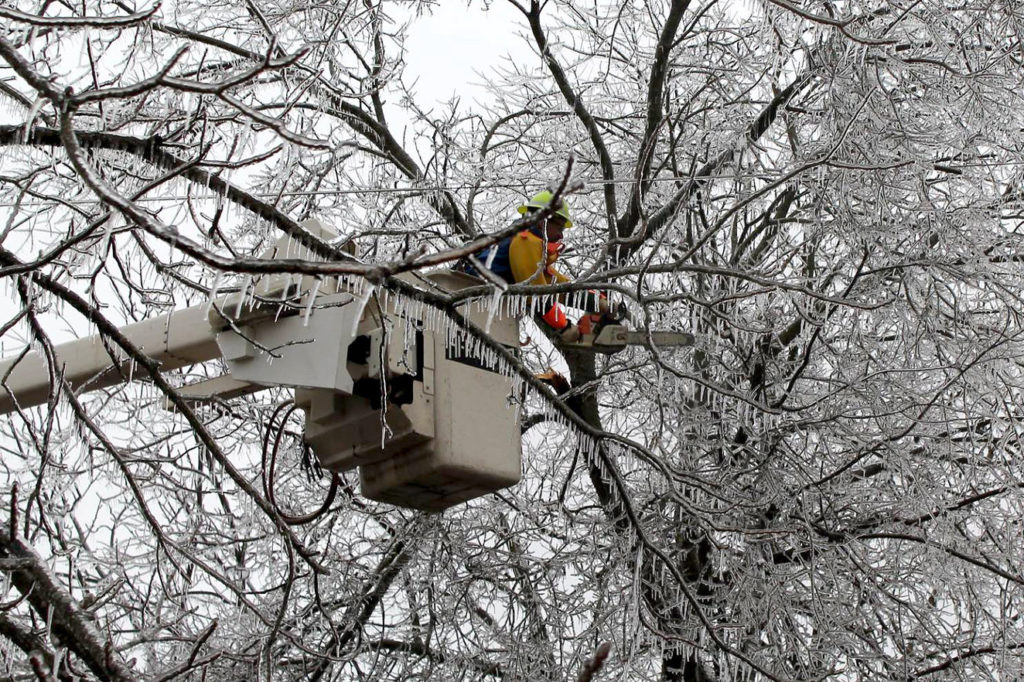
[[613, 338]]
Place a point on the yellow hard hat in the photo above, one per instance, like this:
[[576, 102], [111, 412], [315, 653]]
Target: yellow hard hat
[[541, 200]]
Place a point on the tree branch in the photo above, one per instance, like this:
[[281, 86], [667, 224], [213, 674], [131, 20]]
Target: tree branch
[[655, 116], [662, 216], [576, 102], [53, 603]]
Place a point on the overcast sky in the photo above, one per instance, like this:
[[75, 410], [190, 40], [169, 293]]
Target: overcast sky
[[448, 49]]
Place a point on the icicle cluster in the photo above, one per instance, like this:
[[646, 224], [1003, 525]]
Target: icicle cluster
[[417, 315]]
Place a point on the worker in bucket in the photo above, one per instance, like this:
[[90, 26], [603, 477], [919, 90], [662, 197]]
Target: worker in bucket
[[529, 256]]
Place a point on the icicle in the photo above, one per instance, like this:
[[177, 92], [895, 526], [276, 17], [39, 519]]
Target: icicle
[[83, 55], [309, 304], [213, 294], [252, 295], [495, 302], [364, 298], [241, 295], [491, 253], [32, 113]]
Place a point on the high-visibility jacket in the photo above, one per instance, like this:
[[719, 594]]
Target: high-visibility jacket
[[523, 259]]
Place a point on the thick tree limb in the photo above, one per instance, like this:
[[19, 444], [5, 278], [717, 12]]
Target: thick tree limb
[[31, 644], [655, 116], [79, 22], [67, 620], [662, 216]]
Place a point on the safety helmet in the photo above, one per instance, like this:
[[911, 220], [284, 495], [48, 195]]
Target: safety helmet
[[541, 200]]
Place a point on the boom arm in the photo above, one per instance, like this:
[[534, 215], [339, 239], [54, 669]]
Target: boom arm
[[175, 340]]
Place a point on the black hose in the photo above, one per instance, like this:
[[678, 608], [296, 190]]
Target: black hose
[[269, 466]]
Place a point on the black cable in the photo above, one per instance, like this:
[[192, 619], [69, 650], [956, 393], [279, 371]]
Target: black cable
[[269, 466]]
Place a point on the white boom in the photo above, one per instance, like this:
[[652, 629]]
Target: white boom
[[88, 363], [452, 434]]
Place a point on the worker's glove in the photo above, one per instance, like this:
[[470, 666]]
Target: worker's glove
[[571, 334], [555, 380]]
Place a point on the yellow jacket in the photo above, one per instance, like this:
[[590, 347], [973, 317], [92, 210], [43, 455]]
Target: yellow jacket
[[529, 262]]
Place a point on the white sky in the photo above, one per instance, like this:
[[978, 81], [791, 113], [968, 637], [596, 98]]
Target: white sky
[[450, 48]]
